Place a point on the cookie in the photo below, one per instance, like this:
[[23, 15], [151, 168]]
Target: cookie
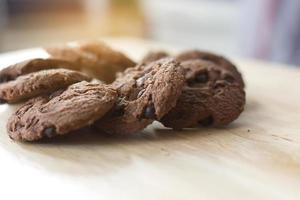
[[37, 83], [94, 58], [33, 65], [216, 59], [212, 96], [79, 105], [146, 93], [154, 56]]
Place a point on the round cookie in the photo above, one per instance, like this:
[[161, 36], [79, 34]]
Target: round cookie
[[216, 59], [80, 105], [33, 65], [94, 58], [212, 96], [146, 93], [37, 83]]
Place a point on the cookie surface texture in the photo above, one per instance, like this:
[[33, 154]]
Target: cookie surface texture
[[154, 56], [211, 97], [94, 58], [62, 112], [33, 65], [146, 93], [214, 58], [37, 83]]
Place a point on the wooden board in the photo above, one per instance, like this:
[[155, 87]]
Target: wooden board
[[256, 157]]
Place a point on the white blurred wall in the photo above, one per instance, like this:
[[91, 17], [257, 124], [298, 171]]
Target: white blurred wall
[[205, 24], [262, 29]]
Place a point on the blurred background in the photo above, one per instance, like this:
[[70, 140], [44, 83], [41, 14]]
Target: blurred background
[[262, 29]]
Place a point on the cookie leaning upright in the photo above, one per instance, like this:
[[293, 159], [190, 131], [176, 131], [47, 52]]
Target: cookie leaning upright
[[62, 112], [94, 58], [146, 93]]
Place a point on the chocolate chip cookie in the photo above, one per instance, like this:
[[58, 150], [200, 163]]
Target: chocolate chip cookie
[[78, 106], [94, 58], [216, 59], [146, 93], [37, 83], [212, 96], [33, 65]]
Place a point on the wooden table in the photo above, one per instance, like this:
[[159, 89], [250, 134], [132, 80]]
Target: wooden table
[[256, 157]]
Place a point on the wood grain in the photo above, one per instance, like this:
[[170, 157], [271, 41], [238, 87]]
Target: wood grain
[[256, 157]]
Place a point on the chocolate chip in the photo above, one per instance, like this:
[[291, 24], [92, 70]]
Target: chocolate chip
[[206, 57], [149, 112], [201, 78], [207, 121], [56, 93], [229, 78], [2, 101], [49, 132], [119, 110], [5, 79]]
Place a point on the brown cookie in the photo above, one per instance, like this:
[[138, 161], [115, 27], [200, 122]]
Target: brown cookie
[[216, 59], [154, 56], [146, 93], [212, 96], [33, 65], [37, 83], [94, 58], [79, 105]]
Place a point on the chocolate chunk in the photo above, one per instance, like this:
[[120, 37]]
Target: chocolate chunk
[[118, 110], [2, 101], [208, 121], [49, 132], [202, 78], [229, 78], [149, 112], [5, 79]]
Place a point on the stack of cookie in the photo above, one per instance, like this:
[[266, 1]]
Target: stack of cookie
[[91, 85]]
